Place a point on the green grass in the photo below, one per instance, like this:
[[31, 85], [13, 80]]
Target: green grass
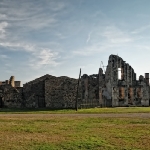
[[44, 132], [73, 133], [80, 111]]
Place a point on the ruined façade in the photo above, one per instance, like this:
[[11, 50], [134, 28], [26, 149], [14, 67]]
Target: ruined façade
[[105, 89], [46, 91], [109, 90]]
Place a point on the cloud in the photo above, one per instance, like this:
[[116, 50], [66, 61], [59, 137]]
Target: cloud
[[18, 46], [89, 37], [38, 56], [3, 26], [43, 58]]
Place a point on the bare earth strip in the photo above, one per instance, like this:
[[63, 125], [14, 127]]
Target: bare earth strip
[[110, 115]]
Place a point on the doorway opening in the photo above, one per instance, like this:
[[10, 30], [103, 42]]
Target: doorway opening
[[1, 102]]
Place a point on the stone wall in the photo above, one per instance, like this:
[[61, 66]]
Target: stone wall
[[60, 92], [34, 92], [10, 96], [50, 91]]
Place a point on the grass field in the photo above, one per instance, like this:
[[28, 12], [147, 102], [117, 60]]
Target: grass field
[[45, 132]]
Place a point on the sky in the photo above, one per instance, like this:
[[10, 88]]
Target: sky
[[58, 37]]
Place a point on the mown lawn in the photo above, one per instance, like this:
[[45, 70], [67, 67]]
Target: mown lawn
[[80, 111], [73, 133]]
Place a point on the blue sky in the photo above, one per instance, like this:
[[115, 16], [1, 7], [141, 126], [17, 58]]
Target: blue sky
[[58, 37]]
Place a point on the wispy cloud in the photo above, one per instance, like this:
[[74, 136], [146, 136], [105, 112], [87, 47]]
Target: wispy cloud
[[43, 58], [89, 37], [3, 26], [18, 46], [39, 56]]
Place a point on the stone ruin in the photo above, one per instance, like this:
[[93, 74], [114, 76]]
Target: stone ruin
[[108, 89], [46, 91], [117, 86], [10, 93]]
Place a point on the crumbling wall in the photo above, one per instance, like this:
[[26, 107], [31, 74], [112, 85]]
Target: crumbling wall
[[10, 96], [124, 89], [111, 89]]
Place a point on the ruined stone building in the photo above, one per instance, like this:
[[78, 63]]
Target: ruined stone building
[[10, 93], [46, 91], [117, 86], [107, 89]]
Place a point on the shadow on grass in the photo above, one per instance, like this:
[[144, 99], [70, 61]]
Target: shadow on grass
[[33, 110], [73, 111]]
